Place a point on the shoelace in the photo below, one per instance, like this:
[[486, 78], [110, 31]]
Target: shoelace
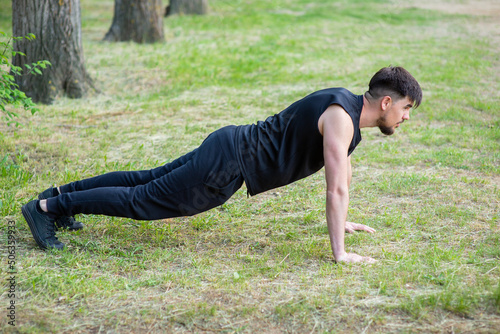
[[51, 232]]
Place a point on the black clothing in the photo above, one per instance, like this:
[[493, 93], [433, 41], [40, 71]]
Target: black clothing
[[288, 146], [196, 182], [283, 149]]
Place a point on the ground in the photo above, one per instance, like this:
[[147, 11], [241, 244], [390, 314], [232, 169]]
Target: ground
[[264, 264]]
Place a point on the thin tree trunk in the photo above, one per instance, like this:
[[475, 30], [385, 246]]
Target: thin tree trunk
[[57, 27], [136, 20], [187, 7]]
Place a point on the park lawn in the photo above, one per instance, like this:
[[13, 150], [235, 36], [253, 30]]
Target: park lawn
[[264, 264]]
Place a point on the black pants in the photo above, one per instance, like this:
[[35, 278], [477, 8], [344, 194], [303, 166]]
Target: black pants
[[198, 181]]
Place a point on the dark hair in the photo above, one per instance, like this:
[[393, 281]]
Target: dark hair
[[397, 83]]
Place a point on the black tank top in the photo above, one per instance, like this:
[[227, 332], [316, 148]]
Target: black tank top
[[288, 146]]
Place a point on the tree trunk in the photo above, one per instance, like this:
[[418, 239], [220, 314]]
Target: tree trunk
[[57, 27], [187, 7], [136, 20]]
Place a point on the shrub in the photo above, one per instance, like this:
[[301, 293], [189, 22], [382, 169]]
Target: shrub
[[11, 98]]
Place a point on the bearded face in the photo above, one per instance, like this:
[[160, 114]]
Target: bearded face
[[384, 127], [394, 115]]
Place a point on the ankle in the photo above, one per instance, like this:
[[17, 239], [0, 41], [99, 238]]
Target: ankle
[[43, 205], [65, 188]]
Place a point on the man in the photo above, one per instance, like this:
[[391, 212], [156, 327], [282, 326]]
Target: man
[[322, 129]]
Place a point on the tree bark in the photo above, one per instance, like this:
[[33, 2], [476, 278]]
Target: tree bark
[[57, 27], [136, 20], [187, 7]]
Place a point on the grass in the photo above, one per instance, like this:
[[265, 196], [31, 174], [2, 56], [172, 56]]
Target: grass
[[264, 264]]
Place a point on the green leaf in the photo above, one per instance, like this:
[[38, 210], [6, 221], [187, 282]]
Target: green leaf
[[9, 90]]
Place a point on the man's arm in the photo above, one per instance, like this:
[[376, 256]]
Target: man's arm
[[337, 129], [349, 172], [350, 227]]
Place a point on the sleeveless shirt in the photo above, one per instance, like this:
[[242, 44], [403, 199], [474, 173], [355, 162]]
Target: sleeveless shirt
[[288, 146]]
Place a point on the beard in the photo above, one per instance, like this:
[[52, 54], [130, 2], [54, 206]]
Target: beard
[[386, 130]]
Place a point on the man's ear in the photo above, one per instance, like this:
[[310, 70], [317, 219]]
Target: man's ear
[[386, 102]]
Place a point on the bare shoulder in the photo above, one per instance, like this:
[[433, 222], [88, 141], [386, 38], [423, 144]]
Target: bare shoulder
[[335, 119]]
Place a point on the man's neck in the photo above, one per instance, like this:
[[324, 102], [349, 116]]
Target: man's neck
[[369, 114]]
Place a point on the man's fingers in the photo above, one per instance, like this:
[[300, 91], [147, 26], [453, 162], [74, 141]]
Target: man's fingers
[[362, 227], [368, 229], [355, 258], [349, 230], [367, 259], [351, 227]]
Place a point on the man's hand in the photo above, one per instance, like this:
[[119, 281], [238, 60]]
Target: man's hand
[[350, 227], [355, 258]]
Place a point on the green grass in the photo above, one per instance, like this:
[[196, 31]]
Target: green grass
[[264, 264]]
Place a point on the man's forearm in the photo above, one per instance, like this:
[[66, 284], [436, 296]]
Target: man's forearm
[[337, 203], [349, 172]]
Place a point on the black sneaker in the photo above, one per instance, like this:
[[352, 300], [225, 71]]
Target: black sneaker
[[64, 222], [42, 227]]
